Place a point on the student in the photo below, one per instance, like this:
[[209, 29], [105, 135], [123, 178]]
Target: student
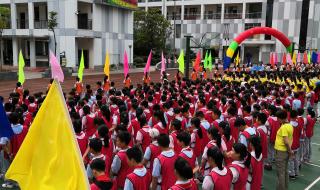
[[256, 167], [263, 134], [78, 86], [143, 137], [246, 132], [183, 173], [88, 121], [196, 136], [95, 147], [215, 141], [163, 165], [160, 122], [227, 138], [240, 166], [81, 136], [140, 178], [297, 130], [101, 180], [146, 79], [219, 177], [152, 151], [127, 81], [311, 120], [107, 145], [175, 130], [106, 84], [120, 167], [186, 153]]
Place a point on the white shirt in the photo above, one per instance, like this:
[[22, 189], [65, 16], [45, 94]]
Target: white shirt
[[139, 172], [208, 183]]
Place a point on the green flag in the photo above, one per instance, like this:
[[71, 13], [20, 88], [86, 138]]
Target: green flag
[[21, 77], [205, 63], [309, 57], [181, 62], [81, 67], [210, 61]]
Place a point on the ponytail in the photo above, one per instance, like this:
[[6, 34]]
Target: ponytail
[[103, 132], [256, 143], [214, 132], [160, 115], [196, 122], [142, 120], [245, 156], [217, 156], [226, 129]]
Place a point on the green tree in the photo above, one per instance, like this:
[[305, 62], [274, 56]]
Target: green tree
[[4, 20], [52, 24], [151, 30]]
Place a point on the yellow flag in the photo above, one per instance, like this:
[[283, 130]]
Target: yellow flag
[[107, 65], [21, 77], [294, 58], [49, 157], [81, 67], [237, 61]]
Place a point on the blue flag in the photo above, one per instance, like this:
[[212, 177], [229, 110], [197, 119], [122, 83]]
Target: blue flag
[[5, 126], [314, 57]]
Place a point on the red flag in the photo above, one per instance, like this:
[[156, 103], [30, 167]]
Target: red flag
[[284, 59], [305, 58], [197, 62], [272, 59]]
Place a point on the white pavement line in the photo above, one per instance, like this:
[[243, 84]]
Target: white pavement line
[[316, 144], [313, 183], [312, 164]]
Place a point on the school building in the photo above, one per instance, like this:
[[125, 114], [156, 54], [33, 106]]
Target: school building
[[215, 23], [94, 26]]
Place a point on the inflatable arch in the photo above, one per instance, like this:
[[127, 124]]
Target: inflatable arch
[[253, 31]]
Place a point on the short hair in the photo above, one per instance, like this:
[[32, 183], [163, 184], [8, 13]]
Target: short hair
[[163, 140], [262, 117], [176, 124], [183, 168], [135, 154], [124, 136], [239, 122], [77, 126], [98, 164], [95, 144], [184, 137], [293, 114], [281, 114]]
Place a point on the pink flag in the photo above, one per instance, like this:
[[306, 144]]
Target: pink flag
[[147, 68], [163, 64], [289, 60], [275, 58], [298, 58], [318, 60], [125, 64], [56, 71]]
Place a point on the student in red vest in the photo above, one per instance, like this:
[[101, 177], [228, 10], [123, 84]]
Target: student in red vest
[[240, 166], [196, 136], [163, 165], [187, 153], [101, 181], [120, 167], [219, 177], [140, 178], [183, 172], [263, 134], [143, 137], [95, 146], [106, 84], [152, 151], [88, 121], [160, 122], [311, 120], [294, 161], [78, 86], [246, 132], [256, 167], [175, 128], [228, 140], [81, 136]]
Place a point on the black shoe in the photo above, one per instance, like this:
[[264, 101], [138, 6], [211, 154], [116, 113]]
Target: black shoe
[[268, 167], [292, 177]]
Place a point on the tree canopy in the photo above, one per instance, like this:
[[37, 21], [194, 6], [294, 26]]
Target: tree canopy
[[4, 17]]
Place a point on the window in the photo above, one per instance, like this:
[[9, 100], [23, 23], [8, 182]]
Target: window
[[36, 13], [178, 30]]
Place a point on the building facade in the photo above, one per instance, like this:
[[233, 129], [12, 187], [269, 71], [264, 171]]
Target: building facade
[[93, 26], [215, 23]]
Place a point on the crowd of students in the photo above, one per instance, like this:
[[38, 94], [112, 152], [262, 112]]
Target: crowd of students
[[218, 132]]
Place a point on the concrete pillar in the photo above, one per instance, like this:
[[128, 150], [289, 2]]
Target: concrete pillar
[[32, 53], [202, 11], [13, 10], [15, 51], [260, 53], [31, 15], [182, 13], [222, 13], [243, 11]]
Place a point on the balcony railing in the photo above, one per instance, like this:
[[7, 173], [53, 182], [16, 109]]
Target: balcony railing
[[212, 16], [192, 16], [40, 24], [22, 24], [254, 15], [154, 0], [85, 24], [174, 16], [233, 15]]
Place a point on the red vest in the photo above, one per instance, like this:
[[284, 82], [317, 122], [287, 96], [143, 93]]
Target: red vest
[[155, 152], [264, 142], [296, 137], [234, 130], [160, 129], [197, 144], [82, 142], [310, 125], [229, 144], [177, 147], [243, 176], [90, 128], [191, 160], [221, 182], [146, 139], [140, 182], [124, 169], [274, 127], [188, 186], [257, 173], [248, 120], [167, 167], [17, 140]]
